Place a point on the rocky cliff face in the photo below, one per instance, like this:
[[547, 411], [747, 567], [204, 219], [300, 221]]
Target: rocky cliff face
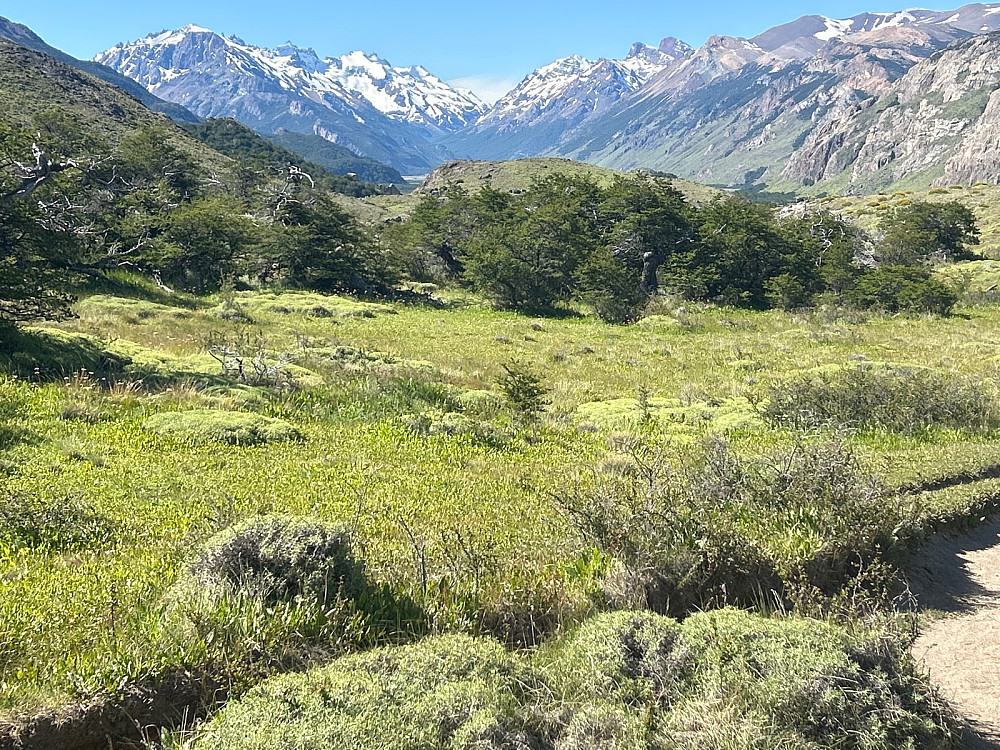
[[741, 126], [938, 124], [768, 110]]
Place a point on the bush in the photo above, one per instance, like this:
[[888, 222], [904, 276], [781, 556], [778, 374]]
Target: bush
[[892, 397], [55, 525], [278, 557], [524, 392], [622, 681], [893, 288], [445, 692], [690, 536], [233, 428]]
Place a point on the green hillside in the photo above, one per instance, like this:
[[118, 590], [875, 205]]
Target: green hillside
[[32, 82], [519, 173], [334, 158], [240, 142]]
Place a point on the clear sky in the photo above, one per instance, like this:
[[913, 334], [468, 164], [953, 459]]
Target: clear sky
[[488, 46]]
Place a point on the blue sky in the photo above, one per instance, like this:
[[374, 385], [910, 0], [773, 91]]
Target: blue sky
[[487, 45]]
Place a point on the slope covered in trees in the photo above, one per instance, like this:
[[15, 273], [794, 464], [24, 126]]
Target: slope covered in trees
[[334, 158], [257, 152]]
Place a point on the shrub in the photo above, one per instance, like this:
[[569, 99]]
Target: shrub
[[691, 535], [58, 524], [627, 657], [894, 288], [874, 697], [233, 428], [893, 397], [452, 423], [278, 557], [445, 692], [524, 391], [621, 681]]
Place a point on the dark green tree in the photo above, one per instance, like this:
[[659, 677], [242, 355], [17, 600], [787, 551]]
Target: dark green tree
[[319, 246], [740, 248], [896, 288], [922, 232], [40, 222], [200, 242], [647, 221], [529, 261]]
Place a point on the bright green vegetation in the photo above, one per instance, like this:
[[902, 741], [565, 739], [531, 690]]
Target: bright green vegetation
[[625, 680], [464, 512], [234, 428], [220, 468]]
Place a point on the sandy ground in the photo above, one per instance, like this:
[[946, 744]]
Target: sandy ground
[[960, 576]]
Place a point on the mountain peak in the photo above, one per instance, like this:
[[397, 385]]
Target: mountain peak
[[674, 47], [187, 65]]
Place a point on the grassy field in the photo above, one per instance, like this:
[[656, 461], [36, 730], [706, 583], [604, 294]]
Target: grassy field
[[125, 446]]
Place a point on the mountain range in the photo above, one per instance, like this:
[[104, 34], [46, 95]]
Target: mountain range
[[818, 104], [357, 100]]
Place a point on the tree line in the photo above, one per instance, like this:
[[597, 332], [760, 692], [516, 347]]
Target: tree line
[[613, 247], [70, 205]]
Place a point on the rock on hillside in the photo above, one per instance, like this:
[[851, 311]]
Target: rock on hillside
[[939, 124]]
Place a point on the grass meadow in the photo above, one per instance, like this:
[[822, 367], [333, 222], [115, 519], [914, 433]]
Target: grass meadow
[[134, 434]]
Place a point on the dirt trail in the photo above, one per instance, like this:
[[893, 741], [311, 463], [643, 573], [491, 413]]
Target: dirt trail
[[960, 576]]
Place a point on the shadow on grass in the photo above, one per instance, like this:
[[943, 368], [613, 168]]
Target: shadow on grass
[[134, 286], [52, 355]]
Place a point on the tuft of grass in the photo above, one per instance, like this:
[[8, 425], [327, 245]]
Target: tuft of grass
[[230, 427]]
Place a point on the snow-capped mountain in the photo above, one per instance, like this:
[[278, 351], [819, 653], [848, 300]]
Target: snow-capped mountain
[[582, 84], [358, 100], [561, 94], [802, 38]]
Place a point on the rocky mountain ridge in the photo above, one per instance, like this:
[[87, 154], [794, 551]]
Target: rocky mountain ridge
[[357, 100], [788, 109], [22, 35]]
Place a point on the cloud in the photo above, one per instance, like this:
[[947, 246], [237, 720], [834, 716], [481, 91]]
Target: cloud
[[486, 87]]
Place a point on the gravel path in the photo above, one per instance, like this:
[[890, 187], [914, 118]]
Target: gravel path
[[960, 576]]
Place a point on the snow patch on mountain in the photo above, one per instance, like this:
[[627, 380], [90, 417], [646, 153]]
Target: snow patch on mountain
[[579, 84], [410, 94]]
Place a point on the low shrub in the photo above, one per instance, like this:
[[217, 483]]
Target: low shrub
[[621, 681], [445, 692], [722, 528], [52, 354], [435, 422], [230, 427], [279, 557], [892, 397], [271, 595]]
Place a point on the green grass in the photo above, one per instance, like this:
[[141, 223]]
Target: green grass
[[408, 442]]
